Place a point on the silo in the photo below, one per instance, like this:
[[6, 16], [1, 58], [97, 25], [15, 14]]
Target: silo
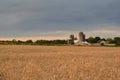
[[71, 39], [81, 37]]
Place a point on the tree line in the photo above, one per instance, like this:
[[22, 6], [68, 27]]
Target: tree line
[[115, 40], [37, 42]]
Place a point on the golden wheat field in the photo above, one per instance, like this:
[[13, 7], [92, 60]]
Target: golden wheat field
[[59, 63]]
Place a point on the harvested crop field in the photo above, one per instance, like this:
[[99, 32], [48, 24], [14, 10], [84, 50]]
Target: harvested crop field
[[59, 63]]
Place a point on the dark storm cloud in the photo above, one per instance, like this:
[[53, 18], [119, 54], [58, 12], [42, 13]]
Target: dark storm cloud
[[24, 17]]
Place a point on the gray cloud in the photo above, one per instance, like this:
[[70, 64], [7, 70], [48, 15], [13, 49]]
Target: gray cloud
[[21, 17]]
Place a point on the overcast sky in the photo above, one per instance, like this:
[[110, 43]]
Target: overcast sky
[[59, 18]]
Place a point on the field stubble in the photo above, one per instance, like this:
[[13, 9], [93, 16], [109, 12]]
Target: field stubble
[[59, 63]]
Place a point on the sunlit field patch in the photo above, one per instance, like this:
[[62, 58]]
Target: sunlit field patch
[[59, 63]]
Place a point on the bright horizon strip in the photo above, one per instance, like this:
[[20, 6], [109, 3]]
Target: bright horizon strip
[[35, 38]]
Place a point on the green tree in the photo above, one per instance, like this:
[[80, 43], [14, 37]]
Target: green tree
[[14, 41], [90, 40], [117, 40], [109, 40], [97, 39], [29, 42], [20, 42]]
